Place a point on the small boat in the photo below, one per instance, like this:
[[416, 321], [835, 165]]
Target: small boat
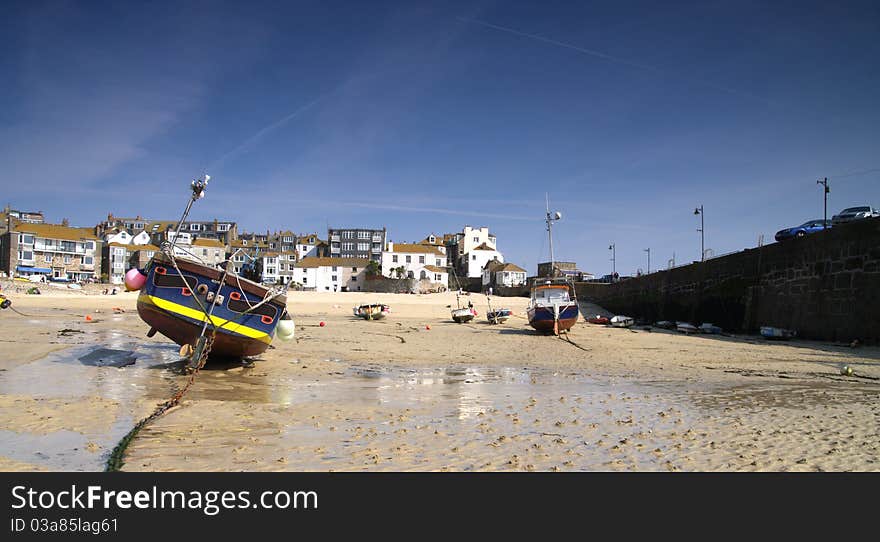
[[710, 329], [599, 320], [498, 316], [665, 324], [621, 321], [552, 304], [372, 311], [187, 300], [779, 333], [461, 314], [686, 328]]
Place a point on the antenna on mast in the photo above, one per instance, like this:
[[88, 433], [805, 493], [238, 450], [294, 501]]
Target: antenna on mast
[[551, 218]]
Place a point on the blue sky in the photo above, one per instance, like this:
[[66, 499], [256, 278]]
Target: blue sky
[[424, 117]]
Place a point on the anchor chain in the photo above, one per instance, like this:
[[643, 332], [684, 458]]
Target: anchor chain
[[115, 461]]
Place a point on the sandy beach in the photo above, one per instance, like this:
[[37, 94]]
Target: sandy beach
[[417, 391]]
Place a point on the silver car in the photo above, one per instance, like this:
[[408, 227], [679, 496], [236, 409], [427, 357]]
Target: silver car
[[854, 213]]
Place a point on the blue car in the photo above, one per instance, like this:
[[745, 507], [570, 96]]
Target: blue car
[[804, 229]]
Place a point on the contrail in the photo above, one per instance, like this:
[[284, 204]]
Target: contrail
[[610, 58], [256, 137], [435, 210]]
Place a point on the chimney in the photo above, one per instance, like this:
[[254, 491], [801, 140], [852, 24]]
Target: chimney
[[65, 222], [390, 246]]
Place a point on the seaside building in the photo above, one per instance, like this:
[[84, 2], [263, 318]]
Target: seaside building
[[422, 262], [565, 269], [29, 217], [470, 251], [331, 274], [54, 250], [500, 274], [309, 246], [356, 243], [159, 230]]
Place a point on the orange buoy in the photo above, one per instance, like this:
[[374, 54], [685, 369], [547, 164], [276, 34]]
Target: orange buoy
[[428, 327], [88, 318], [321, 324]]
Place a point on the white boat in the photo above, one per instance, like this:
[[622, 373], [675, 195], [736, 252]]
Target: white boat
[[622, 321], [463, 314], [686, 328]]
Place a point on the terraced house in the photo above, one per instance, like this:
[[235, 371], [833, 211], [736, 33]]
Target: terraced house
[[54, 250]]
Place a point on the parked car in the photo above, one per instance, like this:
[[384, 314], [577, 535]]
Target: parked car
[[854, 213], [800, 231]]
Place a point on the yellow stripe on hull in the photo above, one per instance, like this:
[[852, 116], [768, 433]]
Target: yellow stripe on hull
[[195, 314]]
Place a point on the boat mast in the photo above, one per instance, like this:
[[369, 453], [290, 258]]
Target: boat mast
[[549, 232], [198, 191]]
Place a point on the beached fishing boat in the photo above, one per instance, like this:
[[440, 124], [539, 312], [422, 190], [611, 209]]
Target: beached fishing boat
[[621, 321], [552, 302], [498, 316], [461, 314], [665, 324], [598, 320], [778, 333], [710, 329], [372, 311], [188, 301]]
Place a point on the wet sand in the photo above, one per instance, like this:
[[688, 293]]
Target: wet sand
[[417, 391]]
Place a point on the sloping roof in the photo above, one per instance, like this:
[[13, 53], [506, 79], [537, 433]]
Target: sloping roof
[[135, 248], [123, 245], [270, 254], [435, 269], [493, 265], [511, 267], [415, 249], [484, 246], [203, 242], [314, 261], [304, 239], [55, 231]]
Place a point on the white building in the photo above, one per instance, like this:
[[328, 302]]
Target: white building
[[497, 273], [307, 246], [331, 274], [412, 260], [476, 259]]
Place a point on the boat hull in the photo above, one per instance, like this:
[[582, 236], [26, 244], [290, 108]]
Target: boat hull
[[171, 303], [543, 318]]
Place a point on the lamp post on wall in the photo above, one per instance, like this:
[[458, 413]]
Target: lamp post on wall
[[611, 247], [825, 214], [699, 211]]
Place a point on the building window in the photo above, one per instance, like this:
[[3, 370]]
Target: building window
[[204, 252], [195, 227], [286, 239], [394, 258], [88, 260], [354, 269], [437, 277], [354, 279], [222, 227], [333, 278], [421, 259], [90, 245], [334, 268], [474, 257], [363, 247], [48, 258], [305, 280], [150, 253], [25, 239], [348, 234], [67, 259], [476, 239], [347, 246], [363, 235]]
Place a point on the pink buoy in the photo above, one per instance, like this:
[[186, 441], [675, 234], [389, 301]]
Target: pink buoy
[[134, 279]]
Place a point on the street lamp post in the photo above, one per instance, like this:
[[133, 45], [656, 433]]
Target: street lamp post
[[648, 250], [825, 214], [699, 211], [611, 247]]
